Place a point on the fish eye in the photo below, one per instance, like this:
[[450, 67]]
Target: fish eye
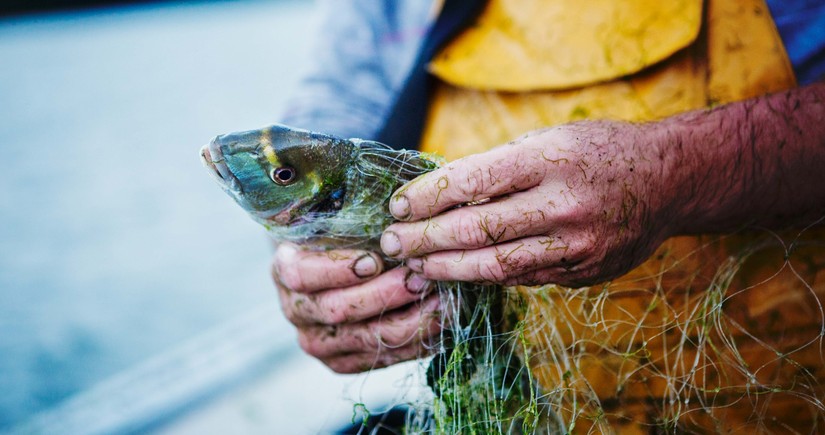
[[283, 176]]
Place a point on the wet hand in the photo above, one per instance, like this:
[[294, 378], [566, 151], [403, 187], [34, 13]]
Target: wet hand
[[350, 313], [574, 205]]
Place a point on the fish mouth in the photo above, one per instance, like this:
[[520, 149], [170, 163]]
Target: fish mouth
[[212, 158], [288, 216], [299, 213]]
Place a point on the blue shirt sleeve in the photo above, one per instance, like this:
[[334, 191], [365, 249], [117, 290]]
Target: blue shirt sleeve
[[359, 62], [801, 24]]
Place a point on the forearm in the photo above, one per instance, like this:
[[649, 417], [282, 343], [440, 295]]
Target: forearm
[[759, 162], [583, 203]]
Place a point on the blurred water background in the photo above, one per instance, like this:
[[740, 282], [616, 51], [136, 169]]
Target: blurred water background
[[115, 244]]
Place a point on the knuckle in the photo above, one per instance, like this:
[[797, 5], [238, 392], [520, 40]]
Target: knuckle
[[474, 183], [568, 209], [429, 309], [370, 338], [585, 246], [394, 337], [469, 232], [516, 262], [590, 239], [342, 367], [333, 311], [334, 308], [492, 271], [309, 344], [299, 309], [291, 277], [335, 316]]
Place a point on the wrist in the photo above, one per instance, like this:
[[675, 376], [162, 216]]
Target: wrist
[[709, 156], [692, 185], [662, 179]]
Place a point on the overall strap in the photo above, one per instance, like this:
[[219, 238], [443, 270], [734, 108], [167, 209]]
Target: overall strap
[[404, 126]]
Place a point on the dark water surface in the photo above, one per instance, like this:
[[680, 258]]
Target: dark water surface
[[115, 244]]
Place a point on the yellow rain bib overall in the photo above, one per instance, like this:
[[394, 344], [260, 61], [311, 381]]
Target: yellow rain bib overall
[[712, 333]]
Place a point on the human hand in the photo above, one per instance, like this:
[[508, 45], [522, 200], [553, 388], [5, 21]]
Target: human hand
[[349, 314], [574, 205]]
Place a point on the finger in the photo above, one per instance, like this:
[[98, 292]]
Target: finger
[[309, 271], [568, 277], [388, 291], [473, 227], [413, 324], [362, 362], [496, 172], [497, 263]]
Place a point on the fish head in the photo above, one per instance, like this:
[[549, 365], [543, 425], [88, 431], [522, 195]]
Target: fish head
[[281, 175]]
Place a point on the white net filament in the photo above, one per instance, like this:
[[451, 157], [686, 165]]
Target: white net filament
[[714, 334]]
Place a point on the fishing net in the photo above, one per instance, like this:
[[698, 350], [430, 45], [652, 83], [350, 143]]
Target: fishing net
[[713, 334]]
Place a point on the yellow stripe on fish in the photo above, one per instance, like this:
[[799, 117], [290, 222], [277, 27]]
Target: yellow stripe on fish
[[268, 149]]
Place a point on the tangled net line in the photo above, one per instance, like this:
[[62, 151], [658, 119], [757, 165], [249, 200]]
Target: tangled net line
[[714, 334]]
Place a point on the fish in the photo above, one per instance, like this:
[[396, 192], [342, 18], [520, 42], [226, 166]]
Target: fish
[[304, 186]]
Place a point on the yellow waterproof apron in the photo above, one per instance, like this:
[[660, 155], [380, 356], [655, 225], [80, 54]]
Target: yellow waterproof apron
[[712, 334]]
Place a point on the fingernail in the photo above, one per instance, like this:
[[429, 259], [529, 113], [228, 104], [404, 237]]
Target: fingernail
[[365, 266], [415, 283], [416, 264], [400, 207], [390, 243]]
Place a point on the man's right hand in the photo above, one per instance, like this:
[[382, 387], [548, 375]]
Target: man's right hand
[[350, 313]]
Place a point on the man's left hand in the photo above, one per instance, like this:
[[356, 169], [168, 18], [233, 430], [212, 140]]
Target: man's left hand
[[574, 205]]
